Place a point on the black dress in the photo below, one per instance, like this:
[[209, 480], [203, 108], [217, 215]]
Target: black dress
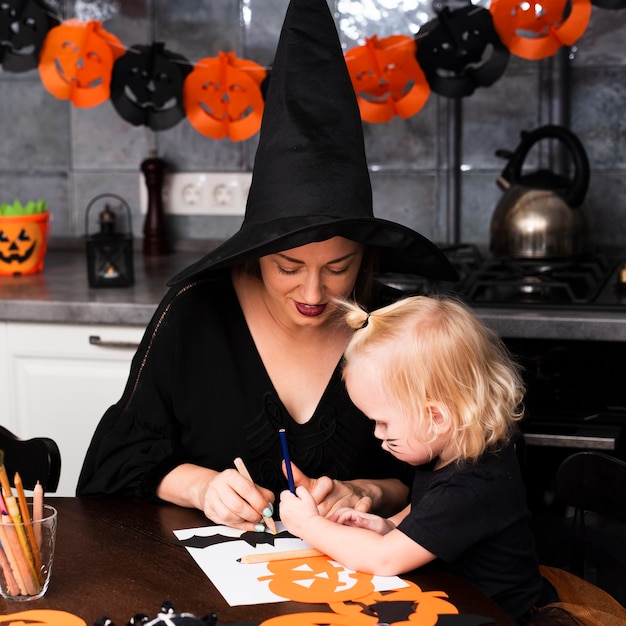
[[199, 393]]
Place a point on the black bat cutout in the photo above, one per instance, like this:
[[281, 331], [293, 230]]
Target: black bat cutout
[[251, 538]]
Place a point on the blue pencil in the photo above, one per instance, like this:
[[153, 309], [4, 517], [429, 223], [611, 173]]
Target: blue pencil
[[283, 442]]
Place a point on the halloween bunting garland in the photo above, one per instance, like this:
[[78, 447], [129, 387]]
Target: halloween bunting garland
[[148, 85]]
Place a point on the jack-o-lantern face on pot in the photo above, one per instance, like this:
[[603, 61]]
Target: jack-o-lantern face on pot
[[23, 28], [223, 98], [387, 78], [23, 243], [460, 50], [316, 579], [76, 62], [147, 86]]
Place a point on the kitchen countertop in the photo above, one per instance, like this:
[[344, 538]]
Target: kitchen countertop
[[62, 294]]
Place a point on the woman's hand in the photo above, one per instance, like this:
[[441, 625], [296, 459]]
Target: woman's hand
[[226, 497], [351, 517], [297, 510]]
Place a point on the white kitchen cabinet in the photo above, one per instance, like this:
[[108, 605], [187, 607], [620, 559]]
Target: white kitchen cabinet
[[57, 381]]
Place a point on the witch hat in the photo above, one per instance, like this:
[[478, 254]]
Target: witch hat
[[310, 180]]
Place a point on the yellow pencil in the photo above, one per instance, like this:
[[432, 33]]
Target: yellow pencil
[[243, 470], [266, 557]]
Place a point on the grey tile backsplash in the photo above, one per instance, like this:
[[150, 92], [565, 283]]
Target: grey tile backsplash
[[67, 155]]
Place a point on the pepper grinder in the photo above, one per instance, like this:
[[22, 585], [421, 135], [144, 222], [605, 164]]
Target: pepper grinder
[[155, 241]]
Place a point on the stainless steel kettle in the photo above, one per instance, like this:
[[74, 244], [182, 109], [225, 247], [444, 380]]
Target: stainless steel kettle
[[541, 214]]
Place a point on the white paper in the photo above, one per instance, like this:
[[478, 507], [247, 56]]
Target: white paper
[[238, 582]]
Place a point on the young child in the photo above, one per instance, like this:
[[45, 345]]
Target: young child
[[445, 396]]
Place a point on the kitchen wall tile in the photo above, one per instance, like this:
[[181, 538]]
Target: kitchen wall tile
[[34, 128], [604, 40], [598, 102], [606, 207]]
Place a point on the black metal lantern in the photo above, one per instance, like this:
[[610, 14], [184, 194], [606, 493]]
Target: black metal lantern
[[109, 253]]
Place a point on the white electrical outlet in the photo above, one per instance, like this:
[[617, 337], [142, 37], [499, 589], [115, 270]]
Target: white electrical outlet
[[210, 193]]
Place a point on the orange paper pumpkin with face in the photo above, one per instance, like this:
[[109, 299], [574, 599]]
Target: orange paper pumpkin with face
[[387, 78], [536, 30], [316, 579], [404, 606], [222, 97], [23, 240], [76, 62]]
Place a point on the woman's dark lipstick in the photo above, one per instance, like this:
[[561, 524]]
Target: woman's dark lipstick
[[310, 310]]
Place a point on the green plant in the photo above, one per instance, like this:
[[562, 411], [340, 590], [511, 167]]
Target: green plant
[[17, 208]]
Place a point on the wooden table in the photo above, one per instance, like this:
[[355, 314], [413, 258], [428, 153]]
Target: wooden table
[[119, 558]]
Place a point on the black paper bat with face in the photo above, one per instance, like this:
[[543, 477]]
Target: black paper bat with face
[[24, 25], [147, 86], [460, 50], [251, 538]]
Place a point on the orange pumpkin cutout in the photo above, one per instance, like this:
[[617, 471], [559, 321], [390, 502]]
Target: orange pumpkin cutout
[[387, 78], [317, 619], [42, 617], [222, 97], [23, 241], [404, 606], [536, 30], [76, 62], [316, 579]]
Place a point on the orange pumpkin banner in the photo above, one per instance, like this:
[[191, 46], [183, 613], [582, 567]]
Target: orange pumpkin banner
[[387, 78], [76, 62], [222, 97], [536, 30]]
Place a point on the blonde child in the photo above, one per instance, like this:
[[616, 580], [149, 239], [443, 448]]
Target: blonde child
[[445, 397]]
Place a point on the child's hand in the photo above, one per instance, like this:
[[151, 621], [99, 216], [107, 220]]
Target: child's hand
[[297, 510], [352, 517]]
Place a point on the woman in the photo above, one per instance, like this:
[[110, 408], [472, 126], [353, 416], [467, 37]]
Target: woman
[[247, 341]]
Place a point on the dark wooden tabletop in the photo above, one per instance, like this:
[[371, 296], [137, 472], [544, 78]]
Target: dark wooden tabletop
[[119, 558]]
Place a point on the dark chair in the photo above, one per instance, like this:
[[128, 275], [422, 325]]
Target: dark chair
[[594, 485], [37, 459]]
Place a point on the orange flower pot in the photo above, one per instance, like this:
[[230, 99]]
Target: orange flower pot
[[23, 241]]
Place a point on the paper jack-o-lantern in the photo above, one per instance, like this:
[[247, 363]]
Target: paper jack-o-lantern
[[222, 97], [147, 86], [316, 579], [460, 50], [23, 242], [536, 30], [387, 78], [76, 62], [407, 605], [23, 29]]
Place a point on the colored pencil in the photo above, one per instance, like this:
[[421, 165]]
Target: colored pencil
[[283, 442], [38, 511], [243, 470], [266, 557]]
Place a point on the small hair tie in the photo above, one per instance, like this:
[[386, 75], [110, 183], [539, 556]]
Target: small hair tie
[[365, 323]]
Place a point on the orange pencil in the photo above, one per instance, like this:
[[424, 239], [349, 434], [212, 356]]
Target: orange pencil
[[12, 585], [4, 478], [32, 542], [266, 557], [15, 570]]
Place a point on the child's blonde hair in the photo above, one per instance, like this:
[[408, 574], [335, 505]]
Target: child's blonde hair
[[434, 350]]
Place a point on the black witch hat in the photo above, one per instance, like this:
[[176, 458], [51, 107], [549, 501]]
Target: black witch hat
[[310, 180]]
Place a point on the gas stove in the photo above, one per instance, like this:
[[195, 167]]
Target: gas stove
[[595, 282]]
